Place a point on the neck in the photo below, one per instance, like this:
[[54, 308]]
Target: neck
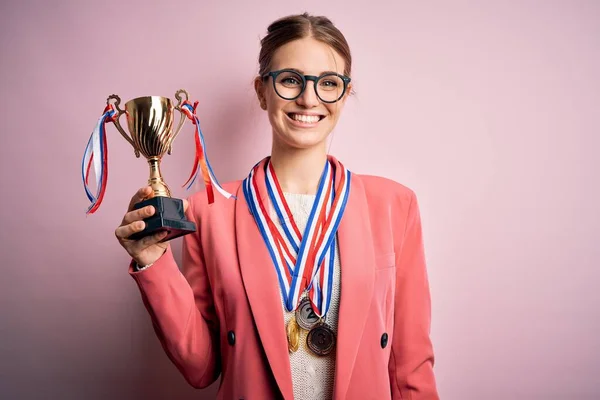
[[298, 170]]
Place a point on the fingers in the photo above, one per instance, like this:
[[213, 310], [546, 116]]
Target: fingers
[[141, 194], [140, 245], [124, 231], [133, 222], [137, 215]]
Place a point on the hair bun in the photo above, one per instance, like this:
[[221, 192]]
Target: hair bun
[[292, 27]]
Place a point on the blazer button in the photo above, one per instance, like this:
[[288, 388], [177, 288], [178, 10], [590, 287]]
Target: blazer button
[[384, 340], [231, 338]]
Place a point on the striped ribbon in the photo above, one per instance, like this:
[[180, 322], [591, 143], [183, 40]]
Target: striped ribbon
[[304, 262], [201, 163], [96, 154]]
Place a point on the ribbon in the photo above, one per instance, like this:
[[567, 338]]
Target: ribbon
[[96, 153], [304, 262], [201, 163]]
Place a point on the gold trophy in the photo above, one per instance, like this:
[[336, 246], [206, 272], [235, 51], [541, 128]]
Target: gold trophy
[[150, 123]]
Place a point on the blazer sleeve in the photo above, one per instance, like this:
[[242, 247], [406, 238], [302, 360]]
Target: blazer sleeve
[[182, 311], [412, 359]]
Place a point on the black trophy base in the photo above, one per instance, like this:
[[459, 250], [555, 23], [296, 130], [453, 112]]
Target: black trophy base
[[168, 216]]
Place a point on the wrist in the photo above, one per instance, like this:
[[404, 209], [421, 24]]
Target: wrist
[[140, 266]]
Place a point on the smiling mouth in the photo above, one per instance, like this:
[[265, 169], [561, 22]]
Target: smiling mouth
[[307, 119]]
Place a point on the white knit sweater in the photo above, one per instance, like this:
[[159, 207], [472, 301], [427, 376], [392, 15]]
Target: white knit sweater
[[312, 376]]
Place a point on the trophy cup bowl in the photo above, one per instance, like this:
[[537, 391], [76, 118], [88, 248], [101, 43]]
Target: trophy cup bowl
[[150, 123]]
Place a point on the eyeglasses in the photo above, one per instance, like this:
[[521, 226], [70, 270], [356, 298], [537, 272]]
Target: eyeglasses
[[289, 84]]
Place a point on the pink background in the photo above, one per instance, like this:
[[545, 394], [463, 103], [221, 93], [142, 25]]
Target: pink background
[[488, 110]]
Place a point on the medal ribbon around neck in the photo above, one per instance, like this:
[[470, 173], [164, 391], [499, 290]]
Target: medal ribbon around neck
[[298, 257]]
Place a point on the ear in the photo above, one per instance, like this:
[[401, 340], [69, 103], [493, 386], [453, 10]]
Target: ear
[[350, 89], [259, 88], [348, 93]]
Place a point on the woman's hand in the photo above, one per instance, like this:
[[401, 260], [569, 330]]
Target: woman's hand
[[148, 249]]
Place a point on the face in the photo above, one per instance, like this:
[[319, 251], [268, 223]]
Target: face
[[305, 122]]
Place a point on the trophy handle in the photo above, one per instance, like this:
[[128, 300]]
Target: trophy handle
[[117, 101], [180, 101]]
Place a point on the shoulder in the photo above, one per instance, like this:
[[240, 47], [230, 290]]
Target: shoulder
[[390, 201], [380, 189]]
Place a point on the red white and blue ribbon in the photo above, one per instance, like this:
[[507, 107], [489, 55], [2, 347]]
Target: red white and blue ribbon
[[304, 262], [96, 154], [201, 163]]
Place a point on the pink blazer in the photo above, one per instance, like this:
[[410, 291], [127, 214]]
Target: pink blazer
[[222, 316]]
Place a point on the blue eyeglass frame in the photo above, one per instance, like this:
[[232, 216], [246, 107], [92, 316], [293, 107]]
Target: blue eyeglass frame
[[305, 78]]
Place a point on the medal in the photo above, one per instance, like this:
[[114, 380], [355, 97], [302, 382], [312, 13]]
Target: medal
[[305, 316], [293, 335], [321, 339]]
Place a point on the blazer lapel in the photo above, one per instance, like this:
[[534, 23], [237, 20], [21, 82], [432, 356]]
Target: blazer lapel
[[356, 260], [262, 289]]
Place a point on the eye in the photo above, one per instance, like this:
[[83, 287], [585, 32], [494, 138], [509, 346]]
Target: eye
[[290, 81], [329, 82]]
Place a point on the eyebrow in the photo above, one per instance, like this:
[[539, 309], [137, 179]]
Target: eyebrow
[[302, 72]]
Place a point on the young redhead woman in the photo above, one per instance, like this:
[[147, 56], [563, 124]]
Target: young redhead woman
[[311, 283]]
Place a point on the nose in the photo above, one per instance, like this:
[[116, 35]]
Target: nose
[[308, 98]]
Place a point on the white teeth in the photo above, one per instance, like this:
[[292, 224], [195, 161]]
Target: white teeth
[[309, 119]]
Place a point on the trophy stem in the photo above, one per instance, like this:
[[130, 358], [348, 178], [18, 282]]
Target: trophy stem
[[156, 181]]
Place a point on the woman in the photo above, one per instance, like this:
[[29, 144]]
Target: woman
[[311, 283]]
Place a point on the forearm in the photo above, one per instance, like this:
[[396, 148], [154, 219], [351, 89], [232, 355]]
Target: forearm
[[183, 332]]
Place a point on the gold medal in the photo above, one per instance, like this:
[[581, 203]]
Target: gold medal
[[293, 335]]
